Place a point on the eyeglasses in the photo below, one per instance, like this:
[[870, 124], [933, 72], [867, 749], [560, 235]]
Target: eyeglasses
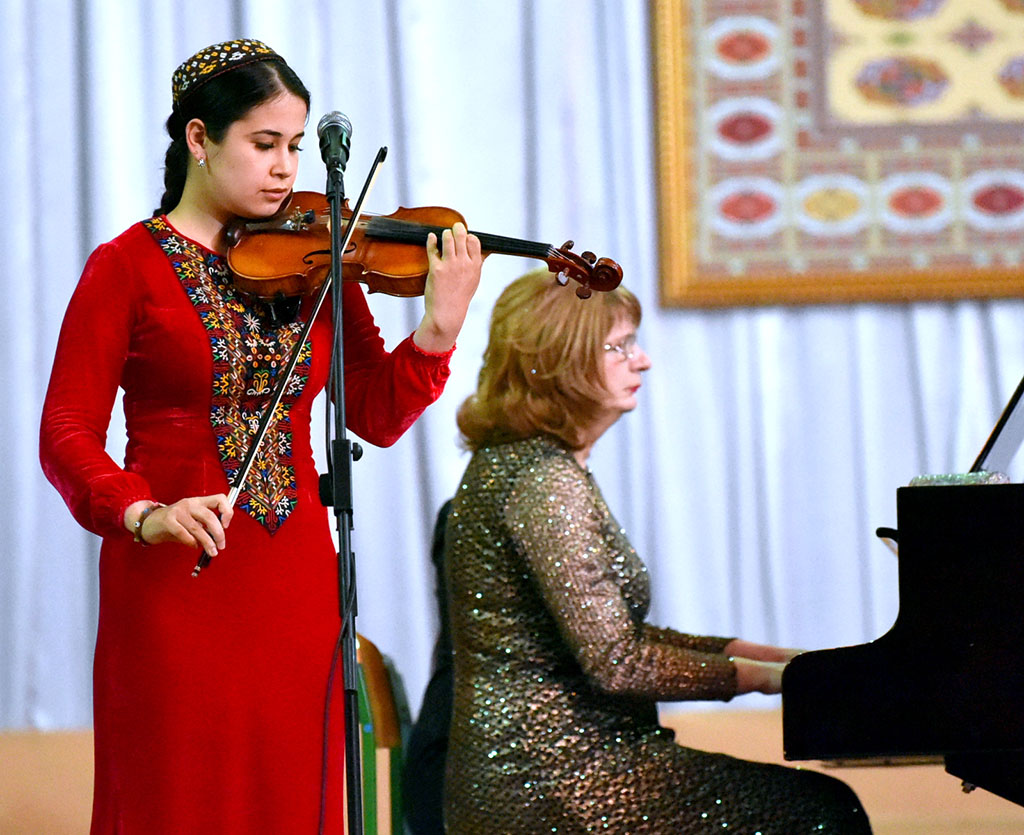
[[626, 349]]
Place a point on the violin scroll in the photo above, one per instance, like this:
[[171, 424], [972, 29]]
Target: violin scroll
[[589, 271]]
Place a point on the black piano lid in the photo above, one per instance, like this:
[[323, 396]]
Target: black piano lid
[[1006, 437]]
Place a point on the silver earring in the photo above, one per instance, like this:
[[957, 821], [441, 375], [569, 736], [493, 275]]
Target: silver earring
[[202, 163]]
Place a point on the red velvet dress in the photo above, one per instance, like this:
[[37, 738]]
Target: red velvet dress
[[210, 691]]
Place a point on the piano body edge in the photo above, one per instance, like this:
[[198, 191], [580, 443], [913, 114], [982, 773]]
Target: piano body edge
[[947, 680]]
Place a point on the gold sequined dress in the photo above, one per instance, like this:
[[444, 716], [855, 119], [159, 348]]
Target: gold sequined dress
[[557, 676]]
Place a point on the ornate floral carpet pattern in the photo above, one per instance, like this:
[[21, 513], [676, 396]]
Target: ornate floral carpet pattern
[[850, 138]]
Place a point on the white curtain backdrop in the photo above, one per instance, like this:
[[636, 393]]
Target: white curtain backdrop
[[769, 442]]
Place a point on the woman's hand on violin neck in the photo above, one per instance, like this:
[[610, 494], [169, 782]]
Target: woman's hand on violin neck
[[455, 263], [198, 522]]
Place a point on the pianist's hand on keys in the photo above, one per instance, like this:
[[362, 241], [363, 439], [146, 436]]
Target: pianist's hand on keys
[[758, 666]]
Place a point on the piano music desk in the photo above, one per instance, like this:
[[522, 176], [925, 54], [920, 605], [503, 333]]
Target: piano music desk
[[900, 800]]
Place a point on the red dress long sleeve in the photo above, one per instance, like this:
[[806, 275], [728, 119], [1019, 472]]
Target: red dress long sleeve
[[209, 692]]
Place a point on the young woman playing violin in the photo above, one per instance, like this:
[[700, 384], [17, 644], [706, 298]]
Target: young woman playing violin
[[210, 693]]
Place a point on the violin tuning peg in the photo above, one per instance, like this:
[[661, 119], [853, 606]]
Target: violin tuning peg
[[562, 278], [583, 291], [589, 257], [568, 245]]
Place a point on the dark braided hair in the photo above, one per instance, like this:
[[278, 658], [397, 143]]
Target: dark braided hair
[[219, 103]]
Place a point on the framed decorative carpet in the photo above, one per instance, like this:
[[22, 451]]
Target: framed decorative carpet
[[816, 151]]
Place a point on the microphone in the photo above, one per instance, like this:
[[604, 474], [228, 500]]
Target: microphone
[[335, 133]]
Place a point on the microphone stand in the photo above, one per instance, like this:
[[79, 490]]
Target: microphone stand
[[336, 489]]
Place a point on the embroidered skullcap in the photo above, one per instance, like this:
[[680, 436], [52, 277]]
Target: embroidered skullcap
[[214, 60]]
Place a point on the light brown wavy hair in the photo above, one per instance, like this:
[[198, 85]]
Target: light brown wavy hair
[[543, 368]]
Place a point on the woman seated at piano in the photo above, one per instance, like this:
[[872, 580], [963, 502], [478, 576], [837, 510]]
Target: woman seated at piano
[[557, 673]]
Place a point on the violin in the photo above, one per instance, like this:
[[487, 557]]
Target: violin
[[289, 254]]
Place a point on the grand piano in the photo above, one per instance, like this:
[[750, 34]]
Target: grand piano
[[946, 682]]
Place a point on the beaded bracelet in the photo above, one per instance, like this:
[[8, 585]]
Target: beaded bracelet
[[137, 527]]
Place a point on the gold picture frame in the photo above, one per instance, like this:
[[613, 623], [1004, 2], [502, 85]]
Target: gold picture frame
[[683, 230]]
